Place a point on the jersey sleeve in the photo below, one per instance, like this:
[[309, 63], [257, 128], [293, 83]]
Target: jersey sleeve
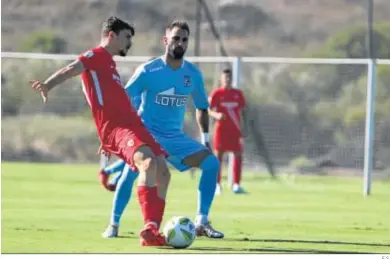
[[136, 86], [213, 99], [199, 95], [89, 60]]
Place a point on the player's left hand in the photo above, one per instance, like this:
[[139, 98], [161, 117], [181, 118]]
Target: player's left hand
[[40, 87]]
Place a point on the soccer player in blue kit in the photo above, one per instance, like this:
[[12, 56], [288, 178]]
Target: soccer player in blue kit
[[159, 90]]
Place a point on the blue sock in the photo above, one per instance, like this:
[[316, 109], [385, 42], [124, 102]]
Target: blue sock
[[122, 194], [207, 185], [118, 166]]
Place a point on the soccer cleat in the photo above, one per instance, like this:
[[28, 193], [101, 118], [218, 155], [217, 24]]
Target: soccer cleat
[[218, 189], [103, 178], [150, 236], [111, 232], [208, 231], [237, 189]]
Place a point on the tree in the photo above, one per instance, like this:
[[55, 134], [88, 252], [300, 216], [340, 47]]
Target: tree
[[43, 41]]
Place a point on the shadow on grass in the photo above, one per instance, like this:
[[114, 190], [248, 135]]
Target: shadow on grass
[[261, 250], [325, 242], [258, 249]]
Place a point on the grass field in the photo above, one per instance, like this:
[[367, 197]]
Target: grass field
[[62, 209]]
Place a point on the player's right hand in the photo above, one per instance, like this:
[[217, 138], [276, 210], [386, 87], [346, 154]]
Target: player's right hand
[[40, 87], [221, 116]]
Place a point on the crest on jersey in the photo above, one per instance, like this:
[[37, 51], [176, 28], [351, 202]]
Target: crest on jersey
[[187, 81], [130, 143], [88, 54]]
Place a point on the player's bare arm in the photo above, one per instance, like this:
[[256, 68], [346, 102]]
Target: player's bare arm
[[202, 117], [73, 69], [216, 115]]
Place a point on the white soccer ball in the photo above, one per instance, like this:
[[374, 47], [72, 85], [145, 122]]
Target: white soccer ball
[[179, 232]]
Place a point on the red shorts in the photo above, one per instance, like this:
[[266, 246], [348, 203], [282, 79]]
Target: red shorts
[[227, 142], [126, 142]]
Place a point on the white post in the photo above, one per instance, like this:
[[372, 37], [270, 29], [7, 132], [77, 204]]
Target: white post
[[370, 128], [236, 72], [236, 84]]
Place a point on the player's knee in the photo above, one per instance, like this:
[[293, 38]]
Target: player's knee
[[148, 165], [145, 160], [210, 163]]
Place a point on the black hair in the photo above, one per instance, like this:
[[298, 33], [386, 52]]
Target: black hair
[[116, 25]]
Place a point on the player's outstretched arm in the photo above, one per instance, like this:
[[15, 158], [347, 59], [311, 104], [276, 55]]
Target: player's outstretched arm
[[73, 69]]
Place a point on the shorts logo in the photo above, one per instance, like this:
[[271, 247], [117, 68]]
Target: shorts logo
[[130, 143]]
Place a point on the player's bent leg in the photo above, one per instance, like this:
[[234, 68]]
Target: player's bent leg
[[105, 173], [117, 166], [120, 201], [151, 204], [138, 149], [209, 165]]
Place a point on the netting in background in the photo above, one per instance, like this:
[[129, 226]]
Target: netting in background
[[309, 116]]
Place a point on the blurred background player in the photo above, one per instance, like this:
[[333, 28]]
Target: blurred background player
[[160, 90], [120, 129], [226, 106]]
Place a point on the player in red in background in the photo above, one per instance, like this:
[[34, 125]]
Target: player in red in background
[[119, 128], [226, 106]]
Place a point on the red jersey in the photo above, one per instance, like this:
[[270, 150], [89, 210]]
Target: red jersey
[[230, 102], [110, 105]]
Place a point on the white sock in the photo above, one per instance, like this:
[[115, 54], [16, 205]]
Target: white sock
[[201, 219]]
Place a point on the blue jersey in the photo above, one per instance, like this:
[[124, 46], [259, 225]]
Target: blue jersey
[[160, 94]]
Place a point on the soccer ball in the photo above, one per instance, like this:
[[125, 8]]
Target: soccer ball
[[179, 232]]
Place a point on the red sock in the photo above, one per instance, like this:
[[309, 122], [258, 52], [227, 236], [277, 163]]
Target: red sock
[[220, 156], [237, 167], [149, 201]]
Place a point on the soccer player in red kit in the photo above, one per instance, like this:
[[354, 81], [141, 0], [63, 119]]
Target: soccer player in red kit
[[119, 128], [226, 106]]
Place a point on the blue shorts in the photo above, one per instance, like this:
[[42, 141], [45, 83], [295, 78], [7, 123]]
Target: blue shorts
[[178, 148]]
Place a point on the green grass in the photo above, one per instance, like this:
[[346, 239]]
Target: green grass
[[62, 209]]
